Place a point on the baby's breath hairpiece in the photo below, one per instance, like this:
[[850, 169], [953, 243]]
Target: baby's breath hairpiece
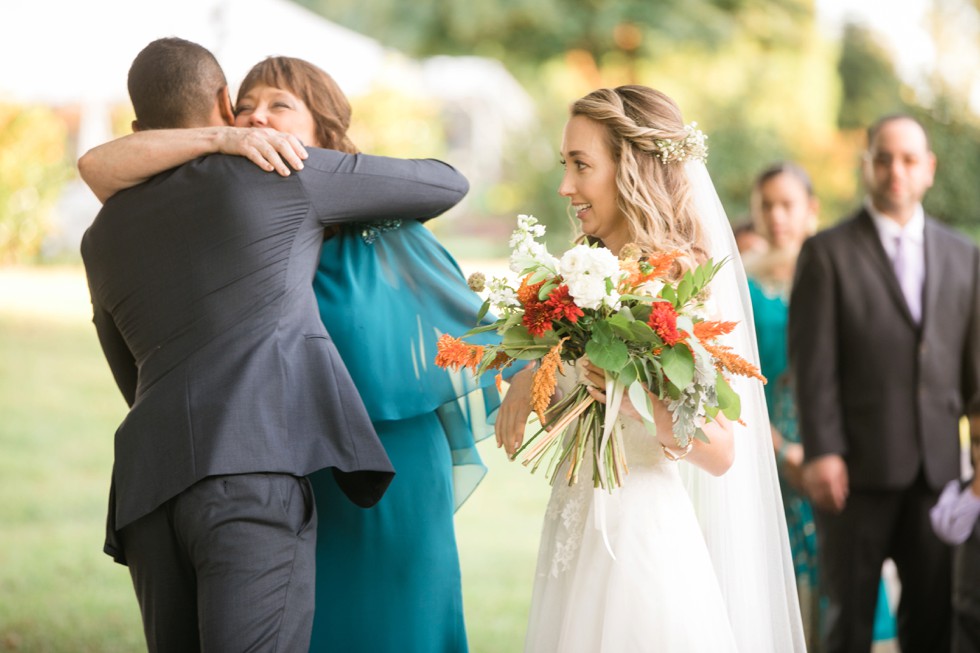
[[692, 147]]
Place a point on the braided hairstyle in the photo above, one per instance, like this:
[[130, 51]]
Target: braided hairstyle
[[655, 197], [319, 92]]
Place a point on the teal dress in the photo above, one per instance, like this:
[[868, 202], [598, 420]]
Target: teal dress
[[388, 577], [771, 310]]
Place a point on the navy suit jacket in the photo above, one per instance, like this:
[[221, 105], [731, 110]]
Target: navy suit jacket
[[201, 285]]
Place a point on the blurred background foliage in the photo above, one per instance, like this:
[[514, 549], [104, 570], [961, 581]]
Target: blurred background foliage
[[33, 168], [761, 77]]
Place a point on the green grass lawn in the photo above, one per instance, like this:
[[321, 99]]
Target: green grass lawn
[[58, 411]]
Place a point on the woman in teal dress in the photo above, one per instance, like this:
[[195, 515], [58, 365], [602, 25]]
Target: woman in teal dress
[[388, 577], [785, 210]]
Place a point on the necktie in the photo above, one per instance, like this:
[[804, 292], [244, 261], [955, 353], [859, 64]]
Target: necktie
[[907, 279]]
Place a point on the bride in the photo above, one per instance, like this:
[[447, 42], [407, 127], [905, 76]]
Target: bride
[[691, 554]]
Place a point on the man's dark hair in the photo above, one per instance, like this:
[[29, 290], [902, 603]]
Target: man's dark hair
[[174, 83], [884, 120]]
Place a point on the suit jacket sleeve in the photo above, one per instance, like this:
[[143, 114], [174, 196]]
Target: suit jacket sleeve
[[361, 187], [813, 351], [121, 360], [971, 363]]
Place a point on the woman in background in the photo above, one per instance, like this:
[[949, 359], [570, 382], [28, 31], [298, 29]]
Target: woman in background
[[388, 577], [785, 210]]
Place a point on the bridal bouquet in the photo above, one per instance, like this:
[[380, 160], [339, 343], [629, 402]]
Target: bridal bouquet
[[651, 335]]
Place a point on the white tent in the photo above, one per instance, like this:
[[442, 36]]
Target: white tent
[[61, 52], [65, 52]]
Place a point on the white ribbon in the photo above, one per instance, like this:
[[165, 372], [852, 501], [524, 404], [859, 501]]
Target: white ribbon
[[614, 399]]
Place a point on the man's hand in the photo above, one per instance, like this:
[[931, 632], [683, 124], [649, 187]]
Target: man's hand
[[825, 481], [514, 411], [267, 148]]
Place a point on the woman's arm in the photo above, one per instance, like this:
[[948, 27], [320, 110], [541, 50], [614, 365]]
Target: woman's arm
[[132, 159], [714, 457]]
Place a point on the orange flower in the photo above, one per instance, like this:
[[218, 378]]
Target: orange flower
[[499, 380], [732, 362], [528, 293], [456, 354], [711, 329], [663, 320], [659, 265], [546, 380]]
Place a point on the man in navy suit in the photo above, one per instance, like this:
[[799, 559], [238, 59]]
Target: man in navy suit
[[885, 345], [201, 285]]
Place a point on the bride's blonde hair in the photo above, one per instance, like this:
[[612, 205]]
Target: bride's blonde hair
[[654, 196]]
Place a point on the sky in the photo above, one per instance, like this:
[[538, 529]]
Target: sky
[[899, 22]]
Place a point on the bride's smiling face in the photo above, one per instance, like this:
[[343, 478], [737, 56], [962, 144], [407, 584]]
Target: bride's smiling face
[[266, 106], [590, 181]]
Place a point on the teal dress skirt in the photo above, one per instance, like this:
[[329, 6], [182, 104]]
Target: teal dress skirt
[[388, 577], [771, 310]]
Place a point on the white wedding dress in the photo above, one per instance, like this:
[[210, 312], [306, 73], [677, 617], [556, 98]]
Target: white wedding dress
[[694, 563], [660, 592]]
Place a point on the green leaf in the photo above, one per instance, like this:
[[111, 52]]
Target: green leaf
[[482, 329], [546, 290], [669, 294], [728, 401], [483, 311], [684, 289], [517, 336], [541, 274], [628, 374], [621, 326], [642, 332], [602, 332], [611, 355], [678, 363]]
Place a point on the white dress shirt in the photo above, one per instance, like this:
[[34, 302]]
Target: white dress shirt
[[913, 231]]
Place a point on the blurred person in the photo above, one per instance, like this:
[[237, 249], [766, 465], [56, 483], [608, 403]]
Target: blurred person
[[786, 209], [201, 288], [955, 520], [386, 290], [883, 338], [683, 554], [748, 240]]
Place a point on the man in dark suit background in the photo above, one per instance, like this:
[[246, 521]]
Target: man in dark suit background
[[884, 342], [201, 285]]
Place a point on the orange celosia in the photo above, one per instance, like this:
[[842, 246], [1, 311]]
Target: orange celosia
[[528, 293], [732, 362], [546, 380], [660, 264], [711, 329], [456, 354]]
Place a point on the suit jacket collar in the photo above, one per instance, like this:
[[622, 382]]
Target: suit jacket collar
[[869, 241]]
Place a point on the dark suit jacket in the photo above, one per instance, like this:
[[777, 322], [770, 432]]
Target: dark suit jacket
[[201, 284], [871, 385]]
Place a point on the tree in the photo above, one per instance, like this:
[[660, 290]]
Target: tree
[[33, 168]]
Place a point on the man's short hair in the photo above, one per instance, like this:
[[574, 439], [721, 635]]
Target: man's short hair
[[892, 117], [174, 83]]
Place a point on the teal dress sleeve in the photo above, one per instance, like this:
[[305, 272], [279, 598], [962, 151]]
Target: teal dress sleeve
[[386, 292]]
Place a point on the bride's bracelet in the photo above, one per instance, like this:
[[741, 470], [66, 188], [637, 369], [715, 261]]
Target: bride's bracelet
[[670, 455]]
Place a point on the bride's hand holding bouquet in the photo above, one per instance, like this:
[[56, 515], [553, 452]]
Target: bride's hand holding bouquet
[[633, 317]]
